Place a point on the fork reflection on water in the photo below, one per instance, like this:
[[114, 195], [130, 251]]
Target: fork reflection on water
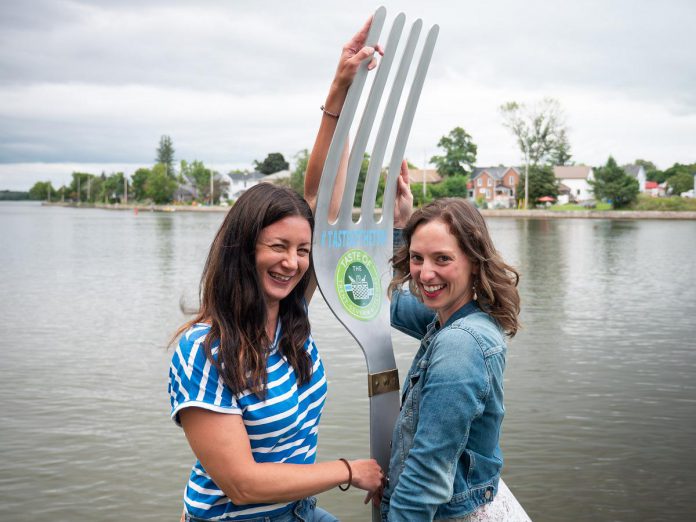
[[600, 391]]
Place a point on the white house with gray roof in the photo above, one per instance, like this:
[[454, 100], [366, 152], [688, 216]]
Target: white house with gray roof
[[238, 182], [576, 179], [638, 172]]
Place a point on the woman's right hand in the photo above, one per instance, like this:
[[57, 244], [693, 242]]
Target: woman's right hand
[[368, 475], [352, 55]]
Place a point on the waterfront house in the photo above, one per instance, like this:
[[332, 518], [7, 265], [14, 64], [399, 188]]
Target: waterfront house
[[496, 185], [281, 177], [238, 182], [575, 183], [637, 172], [186, 191], [652, 188], [429, 176]]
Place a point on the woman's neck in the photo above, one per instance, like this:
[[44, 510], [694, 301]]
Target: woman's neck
[[272, 321]]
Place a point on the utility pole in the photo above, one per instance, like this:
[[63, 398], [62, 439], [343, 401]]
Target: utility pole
[[125, 190], [79, 190], [49, 192], [211, 188], [89, 189], [425, 155], [526, 174]]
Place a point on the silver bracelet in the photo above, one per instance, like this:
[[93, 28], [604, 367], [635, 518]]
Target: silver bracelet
[[332, 114]]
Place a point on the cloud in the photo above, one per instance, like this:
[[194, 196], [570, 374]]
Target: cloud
[[98, 82]]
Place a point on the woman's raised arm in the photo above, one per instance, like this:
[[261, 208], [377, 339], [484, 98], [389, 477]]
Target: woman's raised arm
[[352, 55]]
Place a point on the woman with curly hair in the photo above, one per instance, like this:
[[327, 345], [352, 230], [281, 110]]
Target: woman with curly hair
[[453, 292]]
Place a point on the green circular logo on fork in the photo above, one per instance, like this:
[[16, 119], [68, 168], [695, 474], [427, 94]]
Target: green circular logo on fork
[[357, 285]]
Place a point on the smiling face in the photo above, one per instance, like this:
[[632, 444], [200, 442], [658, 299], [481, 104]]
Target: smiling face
[[282, 257], [440, 269]]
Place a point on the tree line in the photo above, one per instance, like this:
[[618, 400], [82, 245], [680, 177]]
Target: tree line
[[540, 131], [157, 184]]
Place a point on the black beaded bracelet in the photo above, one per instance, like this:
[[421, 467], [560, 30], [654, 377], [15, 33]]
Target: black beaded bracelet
[[350, 476]]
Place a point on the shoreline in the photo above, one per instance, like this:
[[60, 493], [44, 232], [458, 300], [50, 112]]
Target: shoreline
[[591, 214], [488, 213]]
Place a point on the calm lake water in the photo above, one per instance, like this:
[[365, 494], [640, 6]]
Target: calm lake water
[[600, 384]]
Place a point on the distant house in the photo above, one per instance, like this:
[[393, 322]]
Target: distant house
[[655, 189], [238, 182], [574, 182], [276, 176], [497, 185], [638, 172], [186, 191], [564, 192], [430, 176]]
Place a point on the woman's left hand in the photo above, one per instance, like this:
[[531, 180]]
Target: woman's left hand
[[403, 206]]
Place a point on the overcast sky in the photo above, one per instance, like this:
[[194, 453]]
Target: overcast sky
[[92, 85]]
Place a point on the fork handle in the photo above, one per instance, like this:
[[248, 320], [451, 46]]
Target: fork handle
[[384, 409]]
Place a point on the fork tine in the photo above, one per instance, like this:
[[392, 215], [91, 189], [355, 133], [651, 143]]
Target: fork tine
[[333, 157], [377, 158], [406, 122], [360, 143]]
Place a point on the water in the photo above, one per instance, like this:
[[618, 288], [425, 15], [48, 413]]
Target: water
[[600, 388]]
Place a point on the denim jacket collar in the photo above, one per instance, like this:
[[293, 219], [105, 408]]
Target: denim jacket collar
[[469, 308]]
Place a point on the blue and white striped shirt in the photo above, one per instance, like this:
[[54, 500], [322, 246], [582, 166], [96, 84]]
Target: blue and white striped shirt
[[281, 428]]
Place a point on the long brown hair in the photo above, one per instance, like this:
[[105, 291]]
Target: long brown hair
[[232, 299], [495, 282]]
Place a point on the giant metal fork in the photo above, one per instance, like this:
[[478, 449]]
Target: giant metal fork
[[351, 259]]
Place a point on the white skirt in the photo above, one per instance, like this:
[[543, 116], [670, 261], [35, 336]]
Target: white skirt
[[504, 508]]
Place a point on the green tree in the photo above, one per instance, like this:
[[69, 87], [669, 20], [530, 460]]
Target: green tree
[[13, 195], [97, 188], [451, 187], [560, 155], [114, 187], [678, 174], [680, 182], [542, 182], [460, 154], [160, 186], [42, 191], [139, 182], [165, 155], [357, 200], [418, 198], [540, 131], [79, 186], [613, 184], [200, 175], [273, 163], [298, 175]]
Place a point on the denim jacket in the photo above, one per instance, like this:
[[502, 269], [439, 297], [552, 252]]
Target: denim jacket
[[445, 459]]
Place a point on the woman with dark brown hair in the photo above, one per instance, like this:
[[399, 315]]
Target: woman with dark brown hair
[[453, 291], [246, 381]]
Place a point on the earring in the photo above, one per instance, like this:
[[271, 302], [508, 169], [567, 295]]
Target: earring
[[473, 288]]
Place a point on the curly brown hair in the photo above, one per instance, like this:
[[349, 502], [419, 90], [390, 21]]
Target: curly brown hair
[[495, 283]]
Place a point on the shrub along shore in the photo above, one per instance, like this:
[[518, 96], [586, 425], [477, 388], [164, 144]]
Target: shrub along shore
[[508, 213]]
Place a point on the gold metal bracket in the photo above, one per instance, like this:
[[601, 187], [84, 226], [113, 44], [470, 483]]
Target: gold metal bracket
[[382, 382]]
